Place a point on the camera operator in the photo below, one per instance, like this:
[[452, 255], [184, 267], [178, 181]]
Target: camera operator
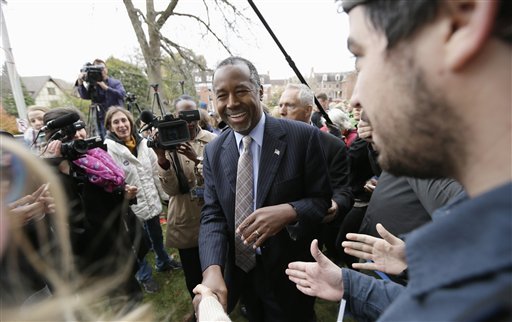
[[104, 232], [102, 90], [184, 163]]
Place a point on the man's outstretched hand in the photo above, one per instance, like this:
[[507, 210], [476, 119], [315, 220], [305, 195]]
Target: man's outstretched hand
[[321, 278], [387, 254]]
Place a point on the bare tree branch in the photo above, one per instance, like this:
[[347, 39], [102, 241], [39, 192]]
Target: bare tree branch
[[207, 9], [134, 15], [169, 11], [173, 57], [156, 48], [207, 28], [185, 53]]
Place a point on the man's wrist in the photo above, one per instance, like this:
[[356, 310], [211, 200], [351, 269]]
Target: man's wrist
[[212, 272]]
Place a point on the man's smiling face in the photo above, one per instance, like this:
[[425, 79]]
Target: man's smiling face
[[237, 98]]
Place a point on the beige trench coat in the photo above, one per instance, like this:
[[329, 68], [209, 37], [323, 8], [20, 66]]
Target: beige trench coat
[[184, 212]]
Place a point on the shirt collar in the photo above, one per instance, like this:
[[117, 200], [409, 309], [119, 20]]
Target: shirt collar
[[256, 134]]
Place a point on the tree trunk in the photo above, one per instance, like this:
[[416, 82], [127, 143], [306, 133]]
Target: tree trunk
[[150, 50]]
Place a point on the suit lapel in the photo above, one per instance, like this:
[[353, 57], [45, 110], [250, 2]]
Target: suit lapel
[[272, 152], [230, 151]]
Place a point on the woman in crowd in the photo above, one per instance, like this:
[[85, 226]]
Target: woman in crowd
[[105, 234], [139, 163], [342, 121]]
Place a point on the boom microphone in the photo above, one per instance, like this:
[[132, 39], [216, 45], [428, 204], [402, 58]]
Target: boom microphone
[[148, 118], [61, 122]]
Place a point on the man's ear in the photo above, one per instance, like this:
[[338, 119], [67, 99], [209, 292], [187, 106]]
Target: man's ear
[[309, 111], [472, 23], [261, 92]]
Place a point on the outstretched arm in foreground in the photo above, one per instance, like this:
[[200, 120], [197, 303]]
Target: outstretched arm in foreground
[[321, 278], [366, 296], [388, 254], [209, 308]]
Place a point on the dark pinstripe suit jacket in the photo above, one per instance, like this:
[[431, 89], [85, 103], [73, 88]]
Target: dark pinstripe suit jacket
[[292, 170]]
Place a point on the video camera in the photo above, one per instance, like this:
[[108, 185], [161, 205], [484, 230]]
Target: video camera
[[93, 73], [171, 131], [65, 128], [130, 97], [75, 149]]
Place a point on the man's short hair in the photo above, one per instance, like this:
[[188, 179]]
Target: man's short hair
[[184, 98], [235, 60], [306, 96], [98, 61], [322, 96], [400, 19]]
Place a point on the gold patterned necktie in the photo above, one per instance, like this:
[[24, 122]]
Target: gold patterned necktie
[[245, 257]]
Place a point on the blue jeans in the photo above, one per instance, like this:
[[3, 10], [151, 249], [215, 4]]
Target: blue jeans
[[145, 272], [154, 231]]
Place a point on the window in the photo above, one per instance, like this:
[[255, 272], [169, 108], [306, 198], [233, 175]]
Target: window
[[198, 79], [337, 77], [209, 78], [51, 91], [324, 78]]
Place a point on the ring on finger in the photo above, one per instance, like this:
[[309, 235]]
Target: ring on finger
[[257, 233]]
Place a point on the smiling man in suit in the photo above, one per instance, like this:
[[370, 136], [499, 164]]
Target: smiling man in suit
[[291, 194]]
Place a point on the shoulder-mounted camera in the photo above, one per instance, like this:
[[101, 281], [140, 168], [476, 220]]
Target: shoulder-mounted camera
[[171, 130], [93, 73]]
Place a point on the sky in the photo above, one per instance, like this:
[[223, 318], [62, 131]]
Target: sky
[[57, 37]]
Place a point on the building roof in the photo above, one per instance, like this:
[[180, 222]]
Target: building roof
[[34, 84]]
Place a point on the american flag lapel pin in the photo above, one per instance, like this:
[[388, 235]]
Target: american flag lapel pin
[[276, 151]]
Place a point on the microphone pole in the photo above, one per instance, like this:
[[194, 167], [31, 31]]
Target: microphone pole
[[289, 59]]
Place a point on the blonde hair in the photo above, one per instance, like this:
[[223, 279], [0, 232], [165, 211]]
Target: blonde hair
[[34, 108], [70, 300]]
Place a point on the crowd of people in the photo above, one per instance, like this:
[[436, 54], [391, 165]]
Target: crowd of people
[[397, 204]]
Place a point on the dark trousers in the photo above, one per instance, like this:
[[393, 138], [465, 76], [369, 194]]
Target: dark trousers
[[350, 224], [328, 237], [154, 231], [274, 301], [191, 268]]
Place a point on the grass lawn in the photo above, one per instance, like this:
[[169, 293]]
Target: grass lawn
[[173, 303]]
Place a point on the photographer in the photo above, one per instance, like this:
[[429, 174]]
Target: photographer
[[180, 172], [104, 231], [102, 90]]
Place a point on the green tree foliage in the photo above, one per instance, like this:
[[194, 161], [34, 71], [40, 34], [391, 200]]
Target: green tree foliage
[[134, 79], [274, 99], [7, 98]]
